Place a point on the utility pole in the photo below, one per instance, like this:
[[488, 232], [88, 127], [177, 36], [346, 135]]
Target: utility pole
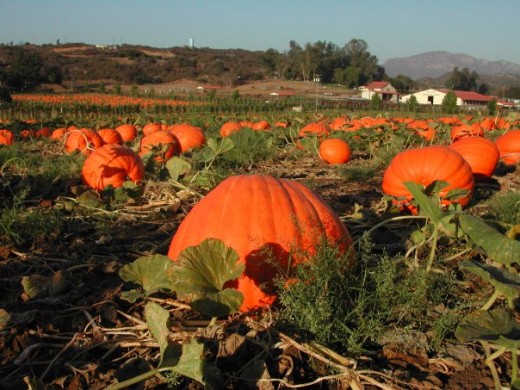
[[317, 80]]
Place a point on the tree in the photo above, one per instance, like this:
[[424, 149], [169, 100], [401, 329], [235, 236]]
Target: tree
[[513, 92], [25, 71], [449, 103], [360, 60], [401, 83], [5, 96], [492, 107], [412, 104], [463, 80], [375, 102]]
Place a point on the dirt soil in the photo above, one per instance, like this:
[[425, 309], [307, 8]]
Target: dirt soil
[[76, 333]]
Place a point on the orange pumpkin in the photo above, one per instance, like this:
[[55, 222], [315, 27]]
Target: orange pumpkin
[[44, 132], [6, 137], [83, 140], [59, 133], [189, 136], [340, 123], [112, 164], [128, 132], [161, 144], [262, 125], [509, 146], [229, 128], [424, 166], [263, 218], [481, 154], [334, 151], [315, 128], [465, 130], [110, 136], [152, 127]]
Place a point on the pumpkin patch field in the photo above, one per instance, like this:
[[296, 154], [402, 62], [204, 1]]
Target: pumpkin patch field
[[228, 244]]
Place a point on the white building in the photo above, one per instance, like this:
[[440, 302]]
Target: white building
[[384, 89], [464, 98]]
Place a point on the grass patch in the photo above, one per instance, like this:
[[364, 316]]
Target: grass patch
[[351, 310]]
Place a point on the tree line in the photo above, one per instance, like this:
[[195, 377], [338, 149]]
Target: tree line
[[351, 65]]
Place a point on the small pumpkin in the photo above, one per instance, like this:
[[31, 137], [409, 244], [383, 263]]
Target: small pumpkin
[[466, 130], [262, 125], [112, 164], [189, 136], [83, 140], [315, 128], [161, 144], [509, 146], [44, 132], [110, 136], [229, 128], [424, 166], [128, 132], [59, 133], [334, 151], [6, 137], [481, 154], [152, 127], [264, 219]]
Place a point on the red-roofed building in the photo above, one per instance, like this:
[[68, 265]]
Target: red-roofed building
[[464, 98], [384, 89]]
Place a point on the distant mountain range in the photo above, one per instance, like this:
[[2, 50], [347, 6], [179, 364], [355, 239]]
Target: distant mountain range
[[434, 64]]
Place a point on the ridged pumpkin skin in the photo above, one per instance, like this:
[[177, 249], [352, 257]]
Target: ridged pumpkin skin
[[480, 153], [112, 164], [334, 151], [151, 127], [509, 146], [257, 216], [424, 166], [189, 136]]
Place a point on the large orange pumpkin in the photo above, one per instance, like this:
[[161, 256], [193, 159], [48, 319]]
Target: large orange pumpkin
[[481, 154], [262, 218], [334, 151], [509, 146], [424, 166], [83, 140], [161, 144], [189, 136], [112, 164], [128, 132]]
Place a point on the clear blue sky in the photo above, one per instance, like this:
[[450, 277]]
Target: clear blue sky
[[488, 29]]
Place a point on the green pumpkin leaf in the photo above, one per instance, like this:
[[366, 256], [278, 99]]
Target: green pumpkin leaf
[[201, 272], [90, 199], [427, 206], [149, 272], [132, 295], [219, 304], [157, 320], [497, 326], [506, 282], [191, 362], [497, 246], [177, 166]]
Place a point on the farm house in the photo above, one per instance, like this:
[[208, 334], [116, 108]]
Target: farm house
[[464, 98]]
